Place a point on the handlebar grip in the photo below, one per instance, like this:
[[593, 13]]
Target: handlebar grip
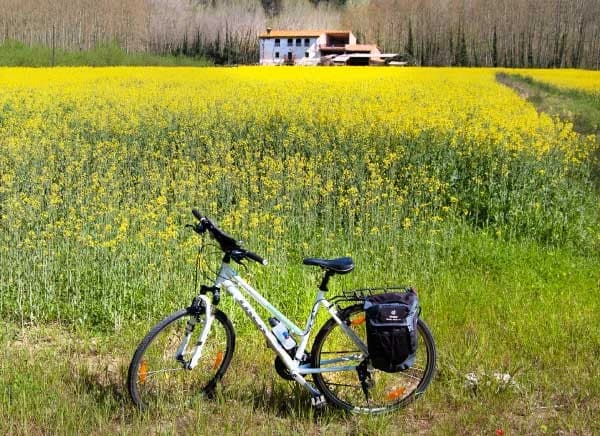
[[255, 257], [197, 214]]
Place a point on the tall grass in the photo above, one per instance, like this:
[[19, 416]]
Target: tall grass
[[494, 307], [17, 54]]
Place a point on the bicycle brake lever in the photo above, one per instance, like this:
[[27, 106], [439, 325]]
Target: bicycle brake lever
[[240, 262]]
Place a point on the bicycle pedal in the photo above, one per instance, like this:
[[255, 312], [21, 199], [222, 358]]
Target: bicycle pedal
[[318, 401]]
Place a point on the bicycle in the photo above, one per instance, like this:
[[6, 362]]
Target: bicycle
[[165, 364]]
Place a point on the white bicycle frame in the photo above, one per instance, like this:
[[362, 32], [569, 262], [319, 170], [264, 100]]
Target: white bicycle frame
[[230, 280]]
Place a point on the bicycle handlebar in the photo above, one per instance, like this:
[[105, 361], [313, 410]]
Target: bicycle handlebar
[[255, 257], [228, 244], [197, 214]]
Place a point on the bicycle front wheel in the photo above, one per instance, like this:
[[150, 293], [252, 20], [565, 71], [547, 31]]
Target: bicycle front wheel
[[384, 391], [157, 377]]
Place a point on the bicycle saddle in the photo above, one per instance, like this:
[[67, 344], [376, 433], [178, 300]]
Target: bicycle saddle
[[340, 265]]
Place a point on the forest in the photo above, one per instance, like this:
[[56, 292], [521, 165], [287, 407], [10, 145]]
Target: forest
[[509, 33]]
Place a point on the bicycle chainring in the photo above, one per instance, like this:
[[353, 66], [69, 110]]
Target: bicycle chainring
[[282, 370]]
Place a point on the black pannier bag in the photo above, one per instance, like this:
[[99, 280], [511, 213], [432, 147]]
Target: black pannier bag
[[391, 320]]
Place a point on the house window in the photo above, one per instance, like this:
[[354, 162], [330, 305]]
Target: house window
[[276, 55], [298, 42], [306, 42], [305, 54], [277, 42], [290, 42]]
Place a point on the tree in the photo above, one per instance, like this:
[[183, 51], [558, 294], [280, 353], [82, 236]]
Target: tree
[[495, 48], [271, 7], [410, 49], [463, 56]]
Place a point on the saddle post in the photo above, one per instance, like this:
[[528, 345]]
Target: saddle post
[[325, 281]]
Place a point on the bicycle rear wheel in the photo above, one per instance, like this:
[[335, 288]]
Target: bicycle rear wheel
[[386, 391], [156, 377]]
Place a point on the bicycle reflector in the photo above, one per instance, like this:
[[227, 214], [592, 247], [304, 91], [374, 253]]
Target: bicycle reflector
[[358, 320], [143, 372], [218, 360], [394, 394]]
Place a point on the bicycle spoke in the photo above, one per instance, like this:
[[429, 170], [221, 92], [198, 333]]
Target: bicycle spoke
[[149, 373], [412, 376], [345, 385], [340, 352]]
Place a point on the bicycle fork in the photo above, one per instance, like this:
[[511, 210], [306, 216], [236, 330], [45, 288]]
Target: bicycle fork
[[189, 328]]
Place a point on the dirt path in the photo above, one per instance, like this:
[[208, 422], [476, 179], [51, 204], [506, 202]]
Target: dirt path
[[524, 90]]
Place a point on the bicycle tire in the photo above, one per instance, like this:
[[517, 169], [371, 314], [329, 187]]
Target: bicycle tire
[[156, 378], [391, 390]]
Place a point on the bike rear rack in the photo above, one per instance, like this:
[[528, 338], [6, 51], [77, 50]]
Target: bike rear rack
[[360, 295]]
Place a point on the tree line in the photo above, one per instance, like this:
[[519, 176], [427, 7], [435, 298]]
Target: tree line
[[512, 33]]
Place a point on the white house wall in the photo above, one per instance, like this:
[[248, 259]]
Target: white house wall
[[268, 50]]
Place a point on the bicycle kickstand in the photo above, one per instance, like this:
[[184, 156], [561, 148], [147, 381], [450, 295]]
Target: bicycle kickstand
[[366, 382]]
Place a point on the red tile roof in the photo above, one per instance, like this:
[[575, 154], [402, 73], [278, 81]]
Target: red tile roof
[[360, 47]]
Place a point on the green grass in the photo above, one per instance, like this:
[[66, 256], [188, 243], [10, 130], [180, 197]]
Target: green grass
[[493, 306], [17, 54], [580, 107], [576, 106]]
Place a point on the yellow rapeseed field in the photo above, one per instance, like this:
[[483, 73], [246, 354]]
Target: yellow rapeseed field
[[110, 160], [105, 155], [584, 80]]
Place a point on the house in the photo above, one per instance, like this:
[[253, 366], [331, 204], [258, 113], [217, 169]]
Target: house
[[311, 47]]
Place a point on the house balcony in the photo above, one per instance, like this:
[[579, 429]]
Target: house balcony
[[337, 48]]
